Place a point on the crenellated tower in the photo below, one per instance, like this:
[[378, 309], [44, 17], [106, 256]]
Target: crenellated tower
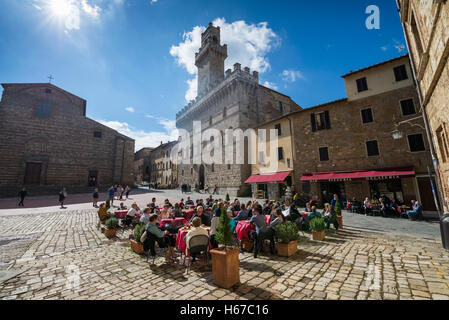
[[210, 60]]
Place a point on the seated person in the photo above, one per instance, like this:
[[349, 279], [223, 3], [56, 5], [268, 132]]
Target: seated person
[[262, 231], [293, 214], [416, 213], [313, 214], [189, 202], [131, 215], [329, 217], [242, 215], [181, 204], [164, 214], [236, 207], [200, 214], [122, 206], [232, 222], [308, 207], [145, 218], [164, 239], [197, 230], [103, 214], [278, 219], [152, 205], [177, 211]]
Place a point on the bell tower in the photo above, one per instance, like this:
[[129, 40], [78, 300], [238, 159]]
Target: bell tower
[[210, 60]]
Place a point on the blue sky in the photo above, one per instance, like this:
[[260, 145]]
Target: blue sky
[[132, 60]]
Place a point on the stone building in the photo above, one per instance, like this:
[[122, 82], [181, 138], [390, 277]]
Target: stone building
[[426, 29], [142, 165], [48, 142], [164, 168], [226, 100], [349, 146]]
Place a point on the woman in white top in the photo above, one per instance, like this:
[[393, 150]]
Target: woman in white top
[[165, 213], [366, 205]]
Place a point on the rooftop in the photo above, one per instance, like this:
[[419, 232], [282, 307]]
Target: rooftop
[[374, 66]]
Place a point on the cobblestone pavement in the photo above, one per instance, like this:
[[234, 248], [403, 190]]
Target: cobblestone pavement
[[48, 249]]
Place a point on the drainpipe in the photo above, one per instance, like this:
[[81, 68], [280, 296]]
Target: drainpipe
[[427, 127]]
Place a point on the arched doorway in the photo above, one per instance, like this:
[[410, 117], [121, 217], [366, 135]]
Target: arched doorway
[[201, 177]]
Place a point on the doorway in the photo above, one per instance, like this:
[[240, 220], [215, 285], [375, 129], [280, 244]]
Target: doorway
[[426, 194], [33, 173], [328, 189], [92, 180], [201, 177]]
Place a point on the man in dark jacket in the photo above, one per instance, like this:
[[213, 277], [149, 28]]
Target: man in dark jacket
[[22, 194]]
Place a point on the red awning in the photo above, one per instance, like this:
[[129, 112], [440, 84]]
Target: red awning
[[341, 176], [265, 178]]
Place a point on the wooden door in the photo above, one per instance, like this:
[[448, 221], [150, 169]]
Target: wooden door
[[425, 192], [33, 173]]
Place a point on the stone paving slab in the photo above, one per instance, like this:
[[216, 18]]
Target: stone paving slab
[[69, 258]]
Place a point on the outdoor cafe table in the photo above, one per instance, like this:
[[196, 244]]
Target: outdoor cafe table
[[244, 227], [181, 243], [188, 214], [121, 214], [176, 222]]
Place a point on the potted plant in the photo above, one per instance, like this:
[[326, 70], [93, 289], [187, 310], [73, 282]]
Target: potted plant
[[136, 245], [318, 226], [225, 260], [111, 225], [337, 210], [287, 236]]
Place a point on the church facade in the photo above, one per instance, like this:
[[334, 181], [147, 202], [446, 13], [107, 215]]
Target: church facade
[[231, 99]]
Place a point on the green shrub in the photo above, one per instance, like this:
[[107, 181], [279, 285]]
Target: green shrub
[[111, 223], [337, 208], [139, 229], [108, 204], [317, 224], [224, 235], [287, 232], [227, 197]]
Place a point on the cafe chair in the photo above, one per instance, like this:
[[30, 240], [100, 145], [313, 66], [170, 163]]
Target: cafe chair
[[198, 244]]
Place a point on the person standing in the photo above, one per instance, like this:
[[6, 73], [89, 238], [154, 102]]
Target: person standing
[[95, 198], [215, 189], [22, 194], [127, 190], [62, 197], [111, 195]]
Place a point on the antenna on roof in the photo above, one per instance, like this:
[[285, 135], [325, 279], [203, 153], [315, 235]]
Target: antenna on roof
[[50, 77]]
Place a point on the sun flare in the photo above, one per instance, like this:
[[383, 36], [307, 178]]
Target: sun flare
[[60, 8]]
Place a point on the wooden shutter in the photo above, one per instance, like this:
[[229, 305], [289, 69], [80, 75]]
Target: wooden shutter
[[327, 119], [313, 122]]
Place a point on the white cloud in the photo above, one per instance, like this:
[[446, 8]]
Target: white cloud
[[149, 116], [248, 44], [384, 48], [145, 138], [130, 109], [153, 1], [270, 85], [291, 75]]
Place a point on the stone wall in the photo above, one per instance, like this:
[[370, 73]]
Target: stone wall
[[64, 143]]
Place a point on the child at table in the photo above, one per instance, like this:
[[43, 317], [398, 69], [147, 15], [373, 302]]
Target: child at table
[[122, 206]]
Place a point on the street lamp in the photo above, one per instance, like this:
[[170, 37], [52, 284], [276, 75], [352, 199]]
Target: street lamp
[[397, 134]]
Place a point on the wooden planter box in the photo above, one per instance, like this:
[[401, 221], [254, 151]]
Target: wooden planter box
[[318, 235], [225, 267], [247, 245], [136, 246], [287, 249], [340, 222], [109, 233]]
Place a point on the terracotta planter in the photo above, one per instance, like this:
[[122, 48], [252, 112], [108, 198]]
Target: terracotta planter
[[287, 249], [136, 246], [340, 222], [109, 233], [225, 267], [247, 245], [318, 235]]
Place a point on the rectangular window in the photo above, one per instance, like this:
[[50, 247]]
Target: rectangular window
[[416, 142], [47, 90], [362, 85], [407, 107], [280, 153], [324, 154], [288, 163], [281, 107], [400, 73], [261, 157], [97, 134], [367, 115], [372, 148], [320, 121], [278, 128], [43, 110]]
